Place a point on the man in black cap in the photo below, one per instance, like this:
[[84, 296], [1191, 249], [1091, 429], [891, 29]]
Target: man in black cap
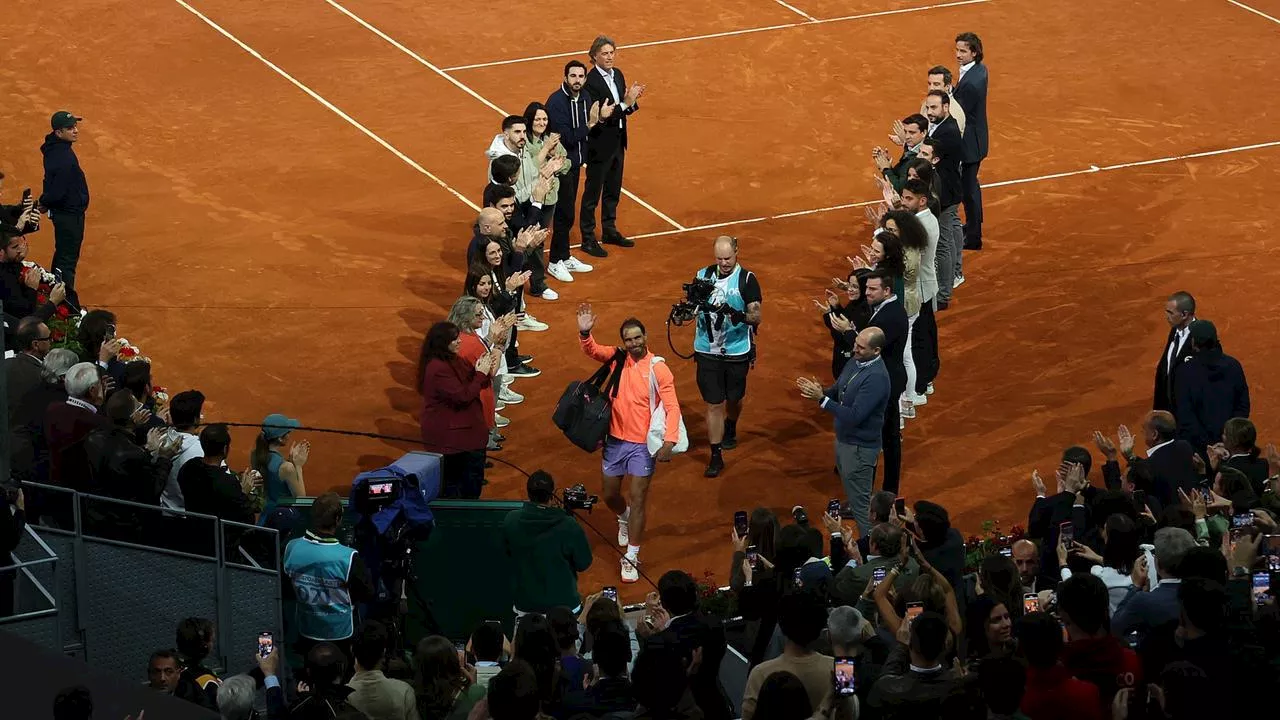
[[1211, 389], [65, 196]]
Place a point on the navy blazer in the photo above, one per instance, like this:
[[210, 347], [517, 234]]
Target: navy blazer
[[949, 151], [1146, 610], [971, 93], [610, 134], [893, 322]]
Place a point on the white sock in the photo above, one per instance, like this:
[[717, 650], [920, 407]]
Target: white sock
[[633, 552]]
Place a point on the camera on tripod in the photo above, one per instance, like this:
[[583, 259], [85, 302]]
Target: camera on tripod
[[576, 498], [696, 296]]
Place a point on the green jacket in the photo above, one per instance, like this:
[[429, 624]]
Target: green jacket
[[548, 549], [531, 149]]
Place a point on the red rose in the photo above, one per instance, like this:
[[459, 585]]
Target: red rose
[[127, 352], [41, 298], [63, 311], [57, 335]]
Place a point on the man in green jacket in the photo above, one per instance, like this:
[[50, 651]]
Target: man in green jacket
[[547, 548]]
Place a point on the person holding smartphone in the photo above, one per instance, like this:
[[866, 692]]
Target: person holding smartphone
[[23, 217]]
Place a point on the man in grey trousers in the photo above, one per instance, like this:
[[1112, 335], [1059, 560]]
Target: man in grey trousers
[[947, 151], [858, 400]]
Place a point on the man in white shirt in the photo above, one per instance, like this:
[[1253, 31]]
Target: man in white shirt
[[940, 79], [924, 330], [1179, 312], [607, 144], [185, 414]]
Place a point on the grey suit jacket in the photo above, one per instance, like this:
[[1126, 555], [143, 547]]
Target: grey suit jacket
[[851, 582], [24, 374]]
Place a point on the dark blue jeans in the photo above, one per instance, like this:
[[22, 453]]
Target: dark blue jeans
[[68, 236]]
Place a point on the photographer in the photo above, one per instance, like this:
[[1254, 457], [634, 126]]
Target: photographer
[[547, 548], [724, 345]]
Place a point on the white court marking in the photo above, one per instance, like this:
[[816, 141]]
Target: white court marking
[[1255, 11], [729, 33], [461, 86], [797, 11], [330, 106]]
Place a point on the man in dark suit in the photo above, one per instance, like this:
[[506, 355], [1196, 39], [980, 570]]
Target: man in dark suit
[[66, 425], [1180, 312], [1068, 504], [888, 314], [1168, 458], [606, 144], [1211, 389], [914, 682], [971, 93], [25, 371], [947, 151], [690, 630]]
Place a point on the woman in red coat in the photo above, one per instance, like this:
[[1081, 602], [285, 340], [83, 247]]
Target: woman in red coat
[[453, 420]]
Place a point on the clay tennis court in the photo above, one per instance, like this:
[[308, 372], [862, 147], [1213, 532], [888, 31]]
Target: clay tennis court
[[281, 202]]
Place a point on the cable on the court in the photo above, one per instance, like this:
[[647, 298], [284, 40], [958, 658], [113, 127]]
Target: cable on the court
[[418, 441]]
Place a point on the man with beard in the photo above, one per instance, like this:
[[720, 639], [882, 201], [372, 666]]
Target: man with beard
[[946, 155], [572, 115], [607, 149], [626, 453], [18, 285]]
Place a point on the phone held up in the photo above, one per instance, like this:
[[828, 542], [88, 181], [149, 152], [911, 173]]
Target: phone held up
[[833, 509], [846, 683], [740, 523], [266, 643], [610, 592]]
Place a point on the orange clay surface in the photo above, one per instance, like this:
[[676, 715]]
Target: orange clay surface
[[260, 248]]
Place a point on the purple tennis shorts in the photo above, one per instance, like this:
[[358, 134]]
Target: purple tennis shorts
[[626, 458]]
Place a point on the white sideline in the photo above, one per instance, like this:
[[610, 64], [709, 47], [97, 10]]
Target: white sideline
[[1255, 11], [433, 68], [333, 108], [1019, 181], [728, 33], [797, 11]]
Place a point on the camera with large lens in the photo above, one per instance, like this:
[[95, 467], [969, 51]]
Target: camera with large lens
[[577, 498], [696, 295]]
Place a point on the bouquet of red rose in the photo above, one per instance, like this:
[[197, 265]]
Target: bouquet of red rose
[[65, 322]]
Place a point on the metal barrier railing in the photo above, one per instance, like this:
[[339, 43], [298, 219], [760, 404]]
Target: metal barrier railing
[[85, 518], [22, 569]]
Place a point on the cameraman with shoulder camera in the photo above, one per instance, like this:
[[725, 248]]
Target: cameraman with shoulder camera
[[724, 345], [548, 549]]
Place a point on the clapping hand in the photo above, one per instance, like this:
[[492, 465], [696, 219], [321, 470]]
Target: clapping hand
[[898, 136], [875, 213], [857, 263], [606, 110], [1038, 484], [633, 94], [832, 301], [141, 415], [593, 115], [299, 453], [880, 157], [1217, 453], [485, 364], [249, 479], [1104, 444], [810, 388], [1125, 438], [840, 323], [553, 139]]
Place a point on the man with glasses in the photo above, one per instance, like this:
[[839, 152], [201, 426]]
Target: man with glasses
[[24, 371], [19, 286]]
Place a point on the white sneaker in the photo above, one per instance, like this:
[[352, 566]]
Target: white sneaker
[[630, 569], [558, 271], [499, 406], [531, 324], [959, 280], [907, 411], [919, 399], [507, 396], [624, 530], [573, 264], [506, 378], [928, 390], [500, 421], [549, 294]]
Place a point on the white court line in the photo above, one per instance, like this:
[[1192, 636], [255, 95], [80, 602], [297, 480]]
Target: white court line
[[427, 64], [730, 33], [797, 11], [316, 96], [1020, 181], [1255, 11]]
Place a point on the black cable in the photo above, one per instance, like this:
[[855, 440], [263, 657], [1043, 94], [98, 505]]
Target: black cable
[[609, 542]]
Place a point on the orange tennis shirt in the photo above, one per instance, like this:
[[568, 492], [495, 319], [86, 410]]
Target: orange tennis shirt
[[631, 414]]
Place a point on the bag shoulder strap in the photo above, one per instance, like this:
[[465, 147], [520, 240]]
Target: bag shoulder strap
[[653, 381], [618, 362], [601, 374]]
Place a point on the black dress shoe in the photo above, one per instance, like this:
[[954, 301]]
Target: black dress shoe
[[592, 247], [526, 359], [714, 467], [613, 237]]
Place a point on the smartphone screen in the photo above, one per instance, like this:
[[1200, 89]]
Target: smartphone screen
[[796, 578], [740, 523], [610, 592], [1006, 551], [877, 576], [900, 505], [753, 556], [1139, 499], [1067, 533], [1261, 583], [1242, 520], [914, 609], [1030, 603], [846, 678], [833, 508], [266, 643]]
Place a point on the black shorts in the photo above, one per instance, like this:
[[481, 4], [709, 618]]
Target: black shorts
[[721, 379]]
